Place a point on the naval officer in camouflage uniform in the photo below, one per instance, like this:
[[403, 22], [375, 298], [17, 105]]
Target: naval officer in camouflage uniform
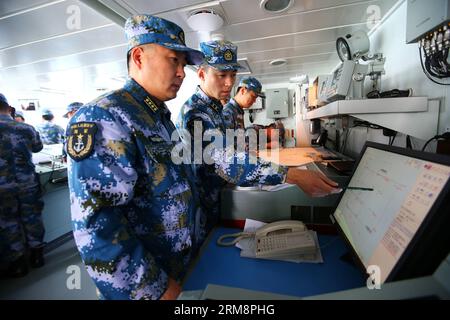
[[50, 132], [133, 209], [217, 76], [249, 89], [21, 226]]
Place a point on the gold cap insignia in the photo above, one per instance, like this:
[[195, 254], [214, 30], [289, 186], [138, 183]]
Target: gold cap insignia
[[228, 55]]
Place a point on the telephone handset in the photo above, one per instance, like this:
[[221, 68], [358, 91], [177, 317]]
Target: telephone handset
[[284, 238], [278, 227], [278, 239]]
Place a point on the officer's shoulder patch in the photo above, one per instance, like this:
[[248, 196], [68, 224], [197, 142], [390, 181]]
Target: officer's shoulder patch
[[80, 142]]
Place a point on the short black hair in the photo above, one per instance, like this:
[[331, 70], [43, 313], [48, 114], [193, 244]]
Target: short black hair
[[128, 60], [205, 66], [47, 117], [4, 106]]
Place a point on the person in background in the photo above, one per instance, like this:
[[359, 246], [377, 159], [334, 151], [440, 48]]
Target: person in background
[[249, 89], [71, 109], [203, 110], [50, 132], [21, 227], [18, 116], [274, 129]]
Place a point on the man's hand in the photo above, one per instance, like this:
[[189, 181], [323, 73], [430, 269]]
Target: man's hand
[[312, 183], [172, 291]]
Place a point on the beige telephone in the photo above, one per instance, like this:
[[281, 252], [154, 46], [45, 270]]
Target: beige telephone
[[277, 239], [283, 238]]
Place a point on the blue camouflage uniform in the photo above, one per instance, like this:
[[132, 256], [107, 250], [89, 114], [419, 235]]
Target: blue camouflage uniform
[[50, 132], [133, 208], [20, 194], [210, 179], [233, 113]]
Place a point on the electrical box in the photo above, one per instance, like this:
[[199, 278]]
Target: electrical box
[[345, 82], [277, 103], [424, 17], [316, 92], [339, 81]]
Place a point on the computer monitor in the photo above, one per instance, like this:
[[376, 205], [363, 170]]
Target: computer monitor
[[395, 211]]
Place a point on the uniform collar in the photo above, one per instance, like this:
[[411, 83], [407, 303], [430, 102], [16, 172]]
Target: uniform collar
[[5, 117], [212, 103], [139, 93], [236, 107]]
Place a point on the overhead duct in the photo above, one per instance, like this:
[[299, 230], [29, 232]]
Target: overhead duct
[[107, 12]]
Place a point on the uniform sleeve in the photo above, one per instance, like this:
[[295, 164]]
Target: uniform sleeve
[[61, 135], [238, 168], [101, 186], [64, 152], [36, 142], [228, 118]]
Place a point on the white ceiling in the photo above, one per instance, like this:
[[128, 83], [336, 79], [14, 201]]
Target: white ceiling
[[40, 47]]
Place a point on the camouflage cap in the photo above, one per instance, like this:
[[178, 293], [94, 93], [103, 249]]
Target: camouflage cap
[[74, 106], [19, 113], [144, 28], [252, 84], [221, 55], [3, 99], [46, 112]]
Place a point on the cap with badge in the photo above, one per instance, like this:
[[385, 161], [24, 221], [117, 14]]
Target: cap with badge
[[221, 55], [143, 29], [3, 99], [253, 84], [74, 106]]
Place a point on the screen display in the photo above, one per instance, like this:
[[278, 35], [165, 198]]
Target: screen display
[[385, 203]]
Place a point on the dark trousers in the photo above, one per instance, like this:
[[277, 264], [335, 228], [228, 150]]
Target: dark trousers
[[21, 223]]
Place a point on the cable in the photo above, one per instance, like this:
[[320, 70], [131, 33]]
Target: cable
[[408, 142], [50, 177], [237, 237], [426, 73], [426, 143], [344, 143], [445, 136], [393, 139]]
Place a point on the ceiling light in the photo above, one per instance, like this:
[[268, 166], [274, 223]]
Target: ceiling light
[[275, 6], [301, 79], [204, 20], [278, 62]]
